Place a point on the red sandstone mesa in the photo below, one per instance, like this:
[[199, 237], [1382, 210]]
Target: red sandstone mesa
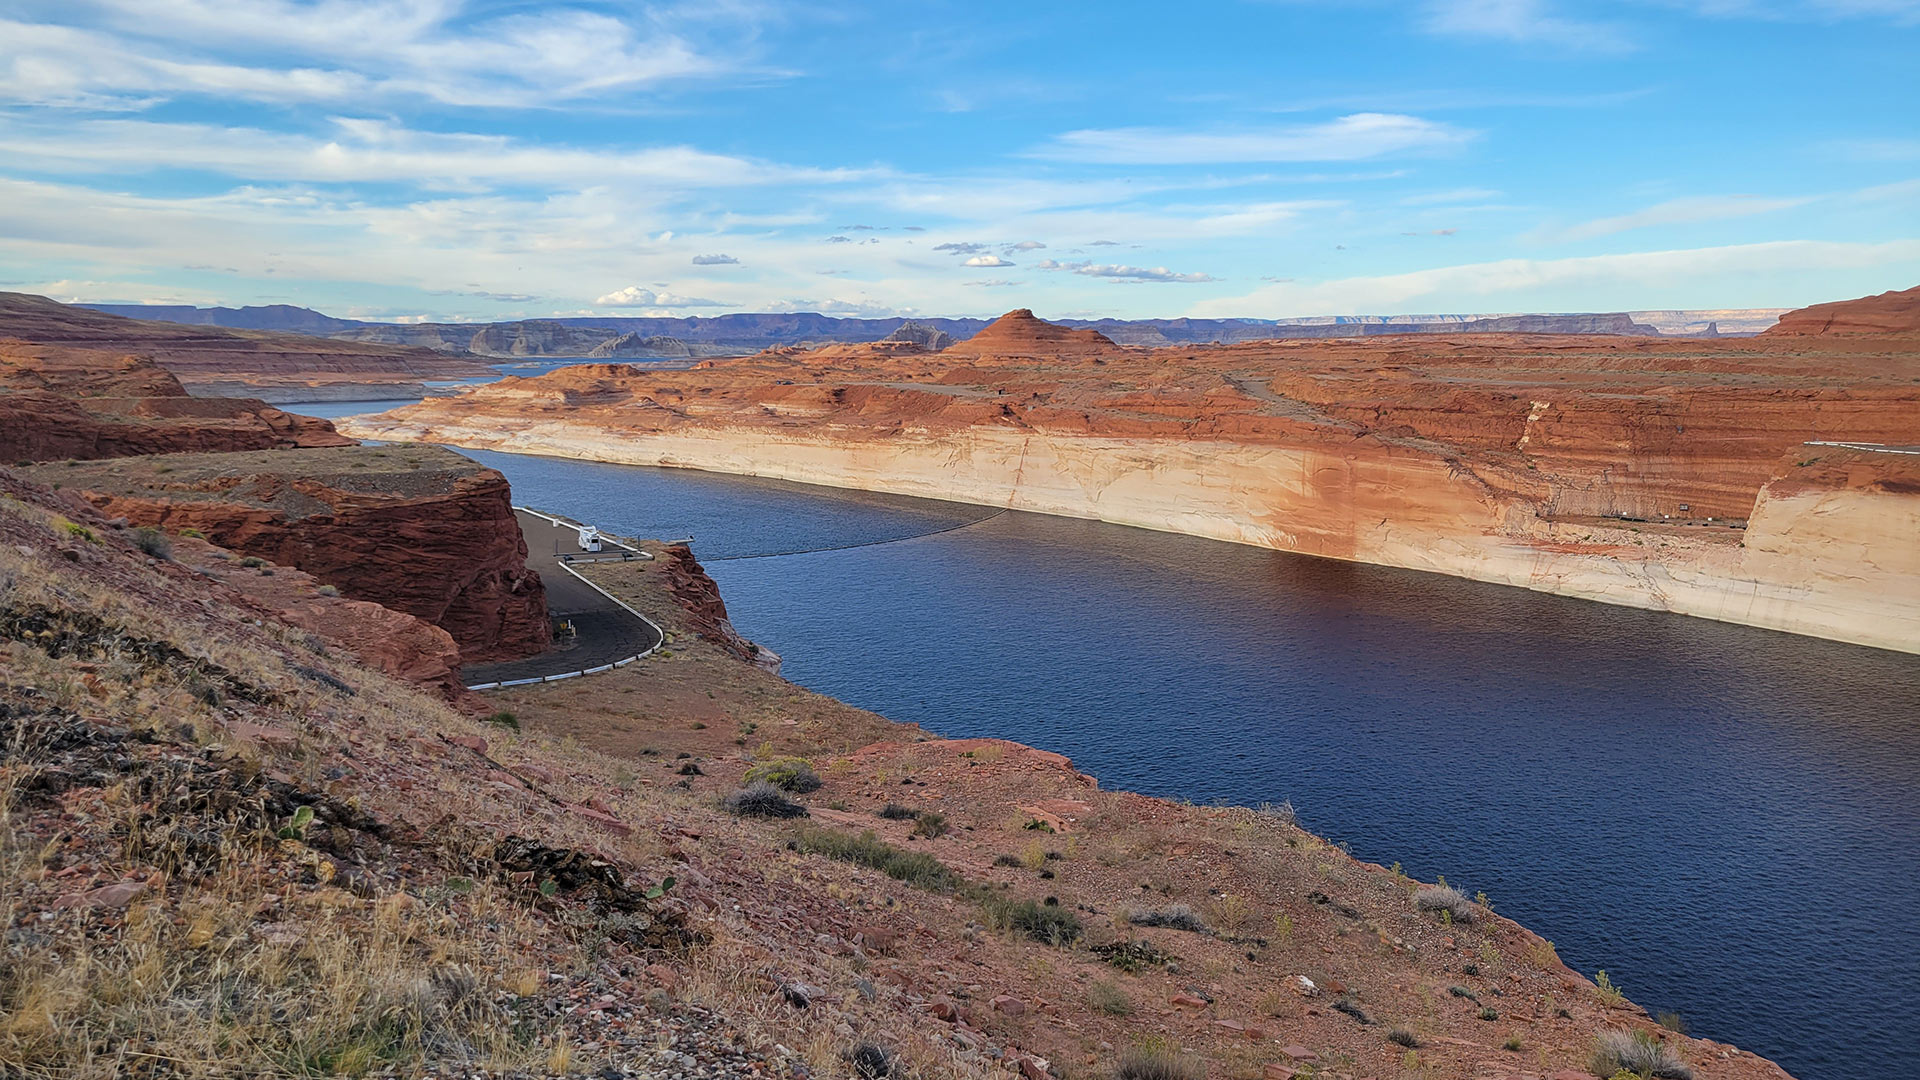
[[1510, 458], [58, 403]]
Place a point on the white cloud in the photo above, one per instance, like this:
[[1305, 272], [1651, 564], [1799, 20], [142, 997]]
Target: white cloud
[[1650, 274], [715, 260], [635, 296], [1673, 212], [986, 260], [1122, 273], [1348, 138], [1026, 245]]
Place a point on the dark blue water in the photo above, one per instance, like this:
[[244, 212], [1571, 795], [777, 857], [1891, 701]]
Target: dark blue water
[[1725, 819]]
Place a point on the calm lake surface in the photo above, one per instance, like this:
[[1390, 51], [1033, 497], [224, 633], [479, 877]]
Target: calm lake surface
[[1725, 819]]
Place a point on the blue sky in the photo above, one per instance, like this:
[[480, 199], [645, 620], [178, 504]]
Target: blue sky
[[401, 159]]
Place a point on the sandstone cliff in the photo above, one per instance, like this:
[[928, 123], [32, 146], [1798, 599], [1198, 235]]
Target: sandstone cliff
[[706, 614], [1507, 459], [1888, 313], [418, 529], [930, 338], [60, 402], [639, 345]]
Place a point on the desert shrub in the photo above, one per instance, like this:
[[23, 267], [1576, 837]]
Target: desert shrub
[[1609, 994], [253, 562], [762, 800], [77, 530], [1157, 1061], [913, 867], [1512, 1044], [1048, 924], [505, 719], [931, 824], [1348, 1006], [1105, 997], [194, 534], [1004, 859], [1672, 1021], [1462, 992], [893, 811], [1404, 1038], [1173, 917], [871, 1061], [1488, 1013], [788, 774], [1131, 956], [1444, 898], [1636, 1052], [153, 542], [328, 590]]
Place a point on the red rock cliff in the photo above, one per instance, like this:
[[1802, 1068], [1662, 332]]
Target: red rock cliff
[[418, 529], [58, 403]]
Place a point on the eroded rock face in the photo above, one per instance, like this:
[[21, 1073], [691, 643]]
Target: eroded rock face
[[699, 596], [1887, 313], [417, 529], [1021, 333], [58, 403], [1503, 458], [930, 338]]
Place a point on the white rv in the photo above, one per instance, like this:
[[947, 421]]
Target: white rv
[[589, 538]]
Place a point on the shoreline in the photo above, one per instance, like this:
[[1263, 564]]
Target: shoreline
[[1792, 570]]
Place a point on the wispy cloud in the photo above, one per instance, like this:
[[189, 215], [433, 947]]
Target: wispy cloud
[[358, 50], [1509, 282], [1118, 272], [1524, 22], [1688, 211], [715, 260], [1348, 138], [987, 260]]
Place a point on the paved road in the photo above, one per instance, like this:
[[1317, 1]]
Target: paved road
[[605, 632]]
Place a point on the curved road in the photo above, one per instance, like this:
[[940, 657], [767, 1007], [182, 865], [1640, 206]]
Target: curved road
[[605, 631]]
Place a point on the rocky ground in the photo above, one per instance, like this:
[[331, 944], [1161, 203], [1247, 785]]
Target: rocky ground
[[231, 848]]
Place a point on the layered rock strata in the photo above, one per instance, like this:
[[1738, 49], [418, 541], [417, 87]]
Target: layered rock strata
[[417, 529], [1616, 469]]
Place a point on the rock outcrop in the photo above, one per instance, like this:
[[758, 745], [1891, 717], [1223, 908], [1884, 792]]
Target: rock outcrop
[[58, 402], [1608, 468], [418, 529], [637, 346], [1020, 334], [699, 596], [392, 642], [1888, 313], [930, 338]]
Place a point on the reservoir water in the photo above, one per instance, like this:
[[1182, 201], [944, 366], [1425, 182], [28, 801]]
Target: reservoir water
[[1726, 819]]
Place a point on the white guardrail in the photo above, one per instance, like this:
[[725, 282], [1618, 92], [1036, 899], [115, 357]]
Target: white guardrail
[[624, 606]]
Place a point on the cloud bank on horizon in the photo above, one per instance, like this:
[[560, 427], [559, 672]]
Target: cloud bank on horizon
[[460, 159]]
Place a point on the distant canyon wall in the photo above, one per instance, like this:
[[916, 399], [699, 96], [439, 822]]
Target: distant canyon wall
[[1829, 551]]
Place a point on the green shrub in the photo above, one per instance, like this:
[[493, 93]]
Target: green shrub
[[253, 562], [1131, 956], [153, 542], [328, 590], [505, 719], [1107, 998], [931, 824], [788, 774], [893, 811], [1404, 1037], [913, 867], [1048, 924]]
